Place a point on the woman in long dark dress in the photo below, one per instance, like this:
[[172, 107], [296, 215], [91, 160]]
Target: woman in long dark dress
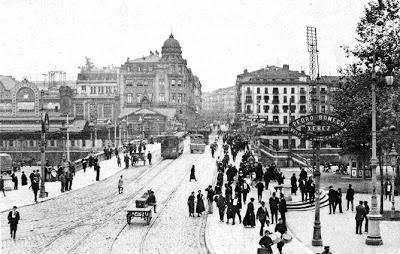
[[191, 204], [293, 181], [192, 174], [250, 219], [200, 204]]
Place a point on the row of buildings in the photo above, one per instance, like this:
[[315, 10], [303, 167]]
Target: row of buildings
[[144, 97]]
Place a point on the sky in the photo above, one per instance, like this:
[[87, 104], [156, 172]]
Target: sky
[[219, 38]]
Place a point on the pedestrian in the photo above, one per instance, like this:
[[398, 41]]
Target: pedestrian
[[388, 189], [339, 200], [237, 206], [303, 174], [67, 180], [293, 182], [192, 174], [149, 156], [360, 214], [151, 200], [13, 219], [311, 190], [366, 207], [200, 204], [266, 179], [2, 184], [97, 168], [15, 180], [280, 178], [245, 190], [326, 250], [228, 192], [282, 208], [350, 197], [191, 204], [118, 161], [221, 204], [120, 185], [35, 188], [32, 176], [263, 216], [210, 198], [303, 189], [332, 199], [62, 181], [126, 160], [282, 229], [260, 189], [266, 242], [250, 219], [24, 179], [230, 212], [273, 206]]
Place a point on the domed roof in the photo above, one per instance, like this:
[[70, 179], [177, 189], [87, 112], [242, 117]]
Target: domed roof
[[171, 46]]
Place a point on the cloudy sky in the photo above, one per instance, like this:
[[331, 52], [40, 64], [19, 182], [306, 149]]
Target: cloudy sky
[[219, 39]]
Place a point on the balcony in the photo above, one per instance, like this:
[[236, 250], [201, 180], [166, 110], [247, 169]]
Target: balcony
[[249, 100]]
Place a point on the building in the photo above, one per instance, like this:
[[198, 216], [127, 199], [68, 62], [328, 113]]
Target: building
[[219, 104], [264, 97], [162, 84]]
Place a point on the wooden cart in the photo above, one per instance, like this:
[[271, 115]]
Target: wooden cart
[[144, 213]]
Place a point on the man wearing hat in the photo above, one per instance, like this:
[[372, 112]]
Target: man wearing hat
[[13, 218], [281, 228], [332, 199], [266, 241]]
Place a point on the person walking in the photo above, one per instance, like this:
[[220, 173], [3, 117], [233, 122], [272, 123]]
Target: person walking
[[360, 214], [263, 216], [210, 198], [97, 169], [266, 179], [388, 189], [293, 182], [118, 161], [273, 206], [2, 184], [311, 190], [230, 212], [282, 208], [24, 179], [62, 181], [266, 242], [303, 189], [332, 199], [282, 229], [250, 219], [221, 204], [191, 204], [237, 206], [84, 164], [67, 180], [149, 156], [339, 200], [200, 204], [245, 190], [126, 160], [192, 174], [15, 180], [120, 185], [13, 219], [260, 189], [35, 188], [350, 197], [366, 207]]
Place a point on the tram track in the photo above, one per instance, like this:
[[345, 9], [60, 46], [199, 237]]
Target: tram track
[[83, 220]]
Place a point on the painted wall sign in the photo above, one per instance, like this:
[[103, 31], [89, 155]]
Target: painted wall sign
[[317, 127]]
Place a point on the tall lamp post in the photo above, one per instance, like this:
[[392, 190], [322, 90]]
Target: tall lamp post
[[44, 128], [374, 232], [109, 125], [393, 159]]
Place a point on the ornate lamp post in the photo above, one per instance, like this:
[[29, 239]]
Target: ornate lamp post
[[44, 128], [393, 159]]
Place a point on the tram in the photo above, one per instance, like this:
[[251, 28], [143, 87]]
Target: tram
[[202, 131], [197, 144], [172, 145]]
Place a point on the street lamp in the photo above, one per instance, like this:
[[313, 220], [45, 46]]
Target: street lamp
[[393, 159], [374, 232], [109, 125]]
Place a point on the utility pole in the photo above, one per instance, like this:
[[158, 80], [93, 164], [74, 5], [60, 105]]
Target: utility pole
[[67, 145], [289, 162], [45, 128], [115, 134]]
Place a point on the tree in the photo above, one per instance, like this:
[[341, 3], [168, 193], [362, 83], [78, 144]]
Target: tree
[[378, 37]]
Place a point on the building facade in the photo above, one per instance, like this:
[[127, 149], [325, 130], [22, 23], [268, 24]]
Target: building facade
[[163, 83], [219, 104], [265, 97]]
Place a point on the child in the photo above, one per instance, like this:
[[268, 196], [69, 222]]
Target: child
[[120, 185]]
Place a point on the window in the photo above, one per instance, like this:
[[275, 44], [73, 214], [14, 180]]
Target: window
[[266, 108], [275, 99], [179, 98], [173, 98], [323, 99], [258, 99], [275, 119], [161, 82], [292, 90], [302, 143], [249, 99], [285, 118], [323, 109], [266, 98], [303, 109], [83, 143], [292, 99], [275, 90], [79, 109], [258, 90], [265, 90], [83, 88], [285, 108], [303, 99], [72, 142], [101, 90], [292, 118], [285, 144], [258, 109], [276, 109], [302, 91], [92, 89], [108, 111], [10, 143], [284, 99], [285, 90], [162, 97], [293, 143], [138, 97], [179, 83], [129, 99], [248, 109], [323, 90], [248, 90], [52, 143], [173, 82], [184, 97], [275, 143]]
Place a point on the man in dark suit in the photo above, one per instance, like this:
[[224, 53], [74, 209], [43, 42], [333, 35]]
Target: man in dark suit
[[282, 208], [13, 218], [360, 213], [350, 197], [273, 206], [332, 199]]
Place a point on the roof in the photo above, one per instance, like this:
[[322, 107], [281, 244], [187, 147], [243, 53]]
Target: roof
[[8, 82], [168, 112], [146, 59], [272, 72], [77, 126]]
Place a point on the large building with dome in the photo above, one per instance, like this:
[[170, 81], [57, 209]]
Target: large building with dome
[[164, 86]]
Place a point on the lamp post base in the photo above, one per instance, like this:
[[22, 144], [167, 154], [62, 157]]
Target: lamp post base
[[374, 232], [317, 241]]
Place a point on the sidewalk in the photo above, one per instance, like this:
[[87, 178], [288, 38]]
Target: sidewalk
[[24, 196]]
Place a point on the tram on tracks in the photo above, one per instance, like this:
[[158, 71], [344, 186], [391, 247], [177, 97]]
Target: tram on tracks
[[172, 145], [197, 144], [202, 131]]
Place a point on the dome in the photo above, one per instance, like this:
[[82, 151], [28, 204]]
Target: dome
[[171, 47]]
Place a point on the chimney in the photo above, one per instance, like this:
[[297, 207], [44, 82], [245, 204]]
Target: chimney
[[286, 67]]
